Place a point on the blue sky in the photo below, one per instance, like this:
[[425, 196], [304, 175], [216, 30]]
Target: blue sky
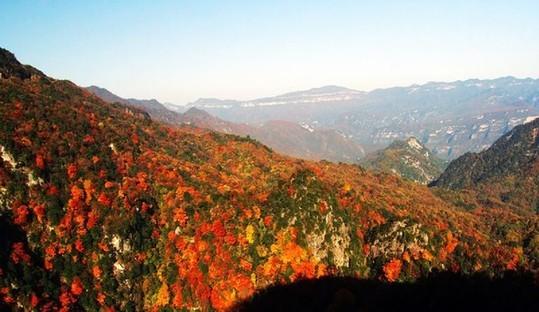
[[178, 51]]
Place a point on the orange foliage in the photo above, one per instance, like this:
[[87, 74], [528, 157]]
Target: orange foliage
[[162, 296], [376, 218], [89, 190], [515, 259], [101, 298], [392, 270], [180, 216], [177, 299]]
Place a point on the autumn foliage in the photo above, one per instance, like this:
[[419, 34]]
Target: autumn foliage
[[124, 213]]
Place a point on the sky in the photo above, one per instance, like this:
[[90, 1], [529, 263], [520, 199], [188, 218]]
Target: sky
[[178, 51]]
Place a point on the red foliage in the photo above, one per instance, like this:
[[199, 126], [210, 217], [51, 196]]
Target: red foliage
[[39, 211], [93, 217], [177, 299], [79, 245], [76, 286], [20, 215], [40, 162], [72, 171], [65, 299], [103, 199], [268, 220], [88, 139], [34, 300], [18, 254], [218, 229]]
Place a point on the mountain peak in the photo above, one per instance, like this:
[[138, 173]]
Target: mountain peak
[[408, 158], [196, 112]]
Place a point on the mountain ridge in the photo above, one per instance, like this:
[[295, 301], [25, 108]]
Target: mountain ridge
[[450, 118], [286, 137]]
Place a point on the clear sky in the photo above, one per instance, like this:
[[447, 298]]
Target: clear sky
[[178, 51]]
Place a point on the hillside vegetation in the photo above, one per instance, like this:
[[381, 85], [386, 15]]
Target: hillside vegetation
[[103, 208]]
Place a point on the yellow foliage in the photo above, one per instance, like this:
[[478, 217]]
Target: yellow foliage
[[162, 296], [250, 234]]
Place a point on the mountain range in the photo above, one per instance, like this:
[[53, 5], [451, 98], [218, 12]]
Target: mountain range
[[450, 118], [103, 207], [294, 139]]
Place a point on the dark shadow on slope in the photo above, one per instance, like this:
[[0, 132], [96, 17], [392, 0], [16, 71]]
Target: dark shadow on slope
[[439, 292]]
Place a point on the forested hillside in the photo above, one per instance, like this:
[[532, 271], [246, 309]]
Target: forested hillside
[[103, 208]]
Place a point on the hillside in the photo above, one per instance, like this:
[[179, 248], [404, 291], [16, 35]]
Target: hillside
[[507, 172], [156, 110], [285, 137], [409, 159], [102, 207]]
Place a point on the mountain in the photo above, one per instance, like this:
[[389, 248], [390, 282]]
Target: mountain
[[506, 172], [450, 118], [157, 110], [312, 96], [286, 137], [299, 107], [409, 159], [105, 208]]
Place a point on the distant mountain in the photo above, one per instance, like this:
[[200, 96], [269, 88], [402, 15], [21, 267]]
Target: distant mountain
[[285, 137], [301, 106], [311, 96], [409, 159], [449, 118], [200, 118], [508, 171], [156, 110], [305, 142]]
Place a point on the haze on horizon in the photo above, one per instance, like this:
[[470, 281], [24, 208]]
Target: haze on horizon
[[178, 51]]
